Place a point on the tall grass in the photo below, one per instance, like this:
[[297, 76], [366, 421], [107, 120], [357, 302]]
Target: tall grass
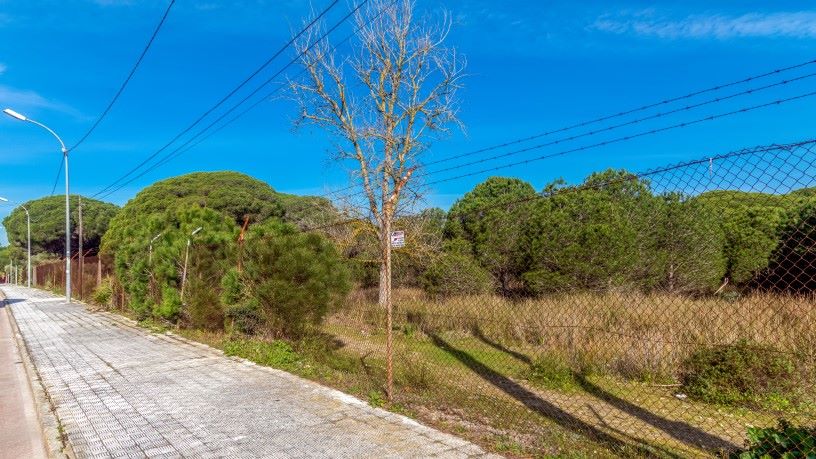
[[633, 334]]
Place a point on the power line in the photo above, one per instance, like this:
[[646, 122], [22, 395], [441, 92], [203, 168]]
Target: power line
[[127, 80], [628, 112], [181, 149], [607, 183], [599, 144], [223, 99], [56, 180], [624, 138], [631, 122]]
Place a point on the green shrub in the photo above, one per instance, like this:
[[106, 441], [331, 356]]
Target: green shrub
[[456, 274], [785, 441], [244, 317], [740, 373], [170, 306], [103, 293], [231, 288], [295, 278]]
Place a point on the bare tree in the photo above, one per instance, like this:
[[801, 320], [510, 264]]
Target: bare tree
[[384, 103]]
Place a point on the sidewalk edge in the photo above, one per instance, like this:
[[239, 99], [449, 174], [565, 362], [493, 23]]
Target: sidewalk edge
[[55, 445]]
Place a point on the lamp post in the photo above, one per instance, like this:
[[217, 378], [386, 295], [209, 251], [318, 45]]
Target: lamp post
[[20, 117], [186, 259], [28, 228], [150, 249]]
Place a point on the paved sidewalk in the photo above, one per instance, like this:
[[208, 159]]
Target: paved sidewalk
[[20, 431], [120, 391]]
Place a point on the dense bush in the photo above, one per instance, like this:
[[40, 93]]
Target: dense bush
[[793, 267], [454, 273], [295, 278], [785, 441], [103, 293], [737, 374], [491, 218], [146, 279]]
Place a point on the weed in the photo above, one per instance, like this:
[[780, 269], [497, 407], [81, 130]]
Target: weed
[[103, 293], [505, 444], [276, 354], [152, 325], [786, 441], [552, 372], [376, 399], [416, 372], [741, 373]]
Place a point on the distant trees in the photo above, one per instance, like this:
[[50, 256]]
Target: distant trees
[[793, 265], [688, 253], [751, 223], [490, 218], [612, 231], [48, 224]]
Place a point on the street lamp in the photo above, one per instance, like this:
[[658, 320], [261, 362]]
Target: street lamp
[[20, 117], [186, 259], [28, 227], [150, 250]]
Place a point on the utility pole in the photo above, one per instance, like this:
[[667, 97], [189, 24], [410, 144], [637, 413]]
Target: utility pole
[[241, 244], [81, 255], [186, 260]]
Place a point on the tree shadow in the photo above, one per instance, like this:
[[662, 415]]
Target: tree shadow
[[534, 403], [8, 301], [477, 332], [679, 430]]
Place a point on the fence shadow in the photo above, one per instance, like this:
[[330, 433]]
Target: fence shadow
[[679, 430], [544, 408]]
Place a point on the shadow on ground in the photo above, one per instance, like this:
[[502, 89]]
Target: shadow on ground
[[681, 431]]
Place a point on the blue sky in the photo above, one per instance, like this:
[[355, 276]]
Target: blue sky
[[533, 66]]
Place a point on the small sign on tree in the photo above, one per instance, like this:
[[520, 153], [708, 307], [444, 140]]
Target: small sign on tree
[[397, 239]]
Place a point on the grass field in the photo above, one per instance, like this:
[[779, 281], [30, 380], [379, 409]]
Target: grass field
[[578, 376]]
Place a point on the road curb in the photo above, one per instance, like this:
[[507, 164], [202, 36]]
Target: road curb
[[55, 445]]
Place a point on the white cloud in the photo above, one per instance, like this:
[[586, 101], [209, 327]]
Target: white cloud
[[800, 24], [31, 100], [2, 68]]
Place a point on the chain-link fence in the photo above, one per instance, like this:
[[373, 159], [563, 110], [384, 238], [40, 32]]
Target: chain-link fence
[[86, 277], [669, 313]]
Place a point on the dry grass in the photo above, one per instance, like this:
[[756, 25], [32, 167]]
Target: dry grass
[[631, 333], [469, 360]]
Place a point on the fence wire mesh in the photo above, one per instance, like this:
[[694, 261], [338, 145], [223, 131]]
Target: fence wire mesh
[[663, 313], [668, 313], [86, 277]]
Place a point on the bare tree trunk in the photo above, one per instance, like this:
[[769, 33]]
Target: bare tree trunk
[[386, 304], [399, 97]]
